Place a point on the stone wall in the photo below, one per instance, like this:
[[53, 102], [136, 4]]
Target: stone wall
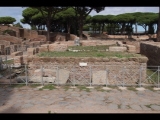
[[31, 34], [135, 43], [11, 39], [152, 51], [118, 69], [91, 42], [16, 29], [5, 43]]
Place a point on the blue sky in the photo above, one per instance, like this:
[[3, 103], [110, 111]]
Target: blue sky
[[16, 12]]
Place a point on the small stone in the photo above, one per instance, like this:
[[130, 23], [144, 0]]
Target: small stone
[[135, 107], [113, 106]]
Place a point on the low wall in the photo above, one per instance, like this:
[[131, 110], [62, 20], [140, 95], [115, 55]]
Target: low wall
[[91, 42], [135, 43], [16, 29], [5, 43], [152, 51], [118, 69], [11, 39]]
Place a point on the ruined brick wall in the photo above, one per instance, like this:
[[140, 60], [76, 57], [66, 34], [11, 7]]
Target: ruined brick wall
[[135, 43], [57, 36], [11, 39], [16, 29], [152, 51], [33, 34], [5, 43], [91, 42]]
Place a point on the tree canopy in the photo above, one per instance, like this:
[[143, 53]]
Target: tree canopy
[[7, 20]]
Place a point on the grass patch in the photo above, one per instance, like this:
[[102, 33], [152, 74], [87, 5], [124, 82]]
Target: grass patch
[[17, 85], [66, 88], [84, 88], [119, 106], [50, 87], [90, 48], [132, 89], [113, 87], [148, 106], [150, 88], [88, 54], [8, 62], [34, 85], [49, 112], [99, 89]]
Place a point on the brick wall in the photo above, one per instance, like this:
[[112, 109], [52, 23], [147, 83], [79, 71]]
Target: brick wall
[[11, 39], [152, 51]]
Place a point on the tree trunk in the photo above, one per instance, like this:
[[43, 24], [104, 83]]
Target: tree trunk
[[80, 31], [123, 27], [99, 28], [158, 31], [48, 30], [68, 28], [80, 28], [102, 27]]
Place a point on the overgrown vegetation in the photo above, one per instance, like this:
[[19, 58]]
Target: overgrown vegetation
[[99, 88], [18, 85], [49, 87], [7, 31], [8, 62], [132, 89], [88, 54], [34, 85], [83, 88]]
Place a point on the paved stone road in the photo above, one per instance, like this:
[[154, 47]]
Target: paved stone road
[[60, 100]]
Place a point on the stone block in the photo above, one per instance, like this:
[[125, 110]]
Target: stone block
[[58, 47], [25, 59], [18, 59], [117, 49], [31, 51], [131, 48], [43, 49], [99, 77], [18, 53], [49, 75]]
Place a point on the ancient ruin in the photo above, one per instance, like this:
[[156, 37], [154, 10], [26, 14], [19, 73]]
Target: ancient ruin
[[24, 45]]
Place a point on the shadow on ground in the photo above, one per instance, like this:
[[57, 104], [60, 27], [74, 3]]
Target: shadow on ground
[[6, 91]]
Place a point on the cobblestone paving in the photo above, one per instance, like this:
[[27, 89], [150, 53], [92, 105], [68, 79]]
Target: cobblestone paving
[[30, 100]]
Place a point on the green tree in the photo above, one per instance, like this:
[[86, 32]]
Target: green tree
[[100, 19], [27, 16], [82, 13], [148, 19], [38, 20], [18, 25], [67, 17], [7, 20], [158, 30], [49, 14]]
